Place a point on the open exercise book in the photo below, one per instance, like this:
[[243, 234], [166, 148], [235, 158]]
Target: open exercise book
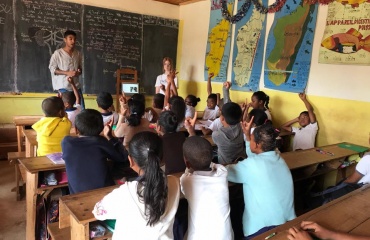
[[202, 123], [56, 158]]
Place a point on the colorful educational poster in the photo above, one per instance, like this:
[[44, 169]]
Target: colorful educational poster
[[248, 50], [346, 38], [289, 47], [218, 43]]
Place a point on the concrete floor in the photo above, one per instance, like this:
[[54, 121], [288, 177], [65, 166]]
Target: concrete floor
[[13, 213]]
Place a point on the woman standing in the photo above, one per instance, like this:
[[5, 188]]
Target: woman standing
[[161, 83]]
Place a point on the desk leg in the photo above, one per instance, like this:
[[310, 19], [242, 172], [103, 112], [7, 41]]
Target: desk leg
[[79, 231], [29, 150], [31, 197], [17, 173], [19, 137]]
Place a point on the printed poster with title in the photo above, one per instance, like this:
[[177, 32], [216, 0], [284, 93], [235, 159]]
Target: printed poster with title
[[218, 43], [289, 47], [346, 37]]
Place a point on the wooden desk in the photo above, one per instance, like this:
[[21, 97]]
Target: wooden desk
[[22, 121], [33, 167], [31, 142], [350, 213], [75, 211], [304, 163]]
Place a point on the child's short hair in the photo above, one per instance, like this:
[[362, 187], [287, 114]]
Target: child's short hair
[[178, 107], [304, 113], [69, 32], [193, 100], [138, 97], [266, 136], [52, 106], [262, 96], [213, 96], [198, 152], [168, 121], [260, 117], [104, 100], [232, 113], [158, 100], [69, 97], [89, 122]]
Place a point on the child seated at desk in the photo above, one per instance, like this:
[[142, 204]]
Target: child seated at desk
[[72, 102], [172, 142], [259, 100], [229, 138], [204, 184], [212, 110], [131, 120], [267, 182], [156, 109], [105, 103], [52, 128], [144, 208], [86, 155], [304, 137]]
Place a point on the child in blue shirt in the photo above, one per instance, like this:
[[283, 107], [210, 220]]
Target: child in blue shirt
[[267, 182]]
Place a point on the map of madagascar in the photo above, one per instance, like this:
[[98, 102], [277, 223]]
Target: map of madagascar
[[288, 34]]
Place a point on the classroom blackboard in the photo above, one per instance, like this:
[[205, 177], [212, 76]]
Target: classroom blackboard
[[40, 26], [159, 41], [6, 45], [108, 40]]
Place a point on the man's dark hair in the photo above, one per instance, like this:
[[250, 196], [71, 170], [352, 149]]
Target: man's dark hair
[[89, 122], [104, 100], [232, 113], [52, 106], [69, 32]]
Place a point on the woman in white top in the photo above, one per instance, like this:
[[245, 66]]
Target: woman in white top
[[144, 208], [161, 83]]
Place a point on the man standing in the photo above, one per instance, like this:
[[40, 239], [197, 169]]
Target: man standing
[[64, 63]]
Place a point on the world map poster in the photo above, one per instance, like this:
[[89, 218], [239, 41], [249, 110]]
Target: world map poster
[[248, 50], [218, 43], [289, 47], [346, 37]]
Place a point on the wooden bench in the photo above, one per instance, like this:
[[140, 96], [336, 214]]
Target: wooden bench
[[59, 233], [13, 159]]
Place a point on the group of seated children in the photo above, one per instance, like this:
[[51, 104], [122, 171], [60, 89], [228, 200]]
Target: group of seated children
[[145, 208]]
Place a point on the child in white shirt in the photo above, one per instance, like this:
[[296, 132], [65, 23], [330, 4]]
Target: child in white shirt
[[204, 184], [72, 102], [304, 137], [144, 208]]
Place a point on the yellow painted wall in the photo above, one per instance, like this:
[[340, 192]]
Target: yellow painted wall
[[339, 119]]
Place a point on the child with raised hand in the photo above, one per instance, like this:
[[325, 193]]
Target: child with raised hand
[[172, 142], [304, 137], [259, 100], [144, 208], [72, 102], [105, 104], [212, 110], [216, 124], [319, 232], [204, 185], [86, 155], [53, 127], [263, 172], [156, 108], [131, 120]]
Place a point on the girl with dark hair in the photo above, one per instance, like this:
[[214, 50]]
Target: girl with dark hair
[[144, 208], [172, 142], [131, 121], [263, 172], [191, 101], [260, 100]]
